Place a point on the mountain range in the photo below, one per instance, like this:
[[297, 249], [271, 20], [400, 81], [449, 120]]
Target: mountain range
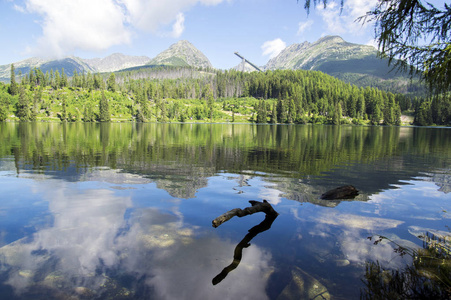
[[353, 63]]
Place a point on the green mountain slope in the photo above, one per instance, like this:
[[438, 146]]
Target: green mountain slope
[[181, 54], [353, 63], [110, 63]]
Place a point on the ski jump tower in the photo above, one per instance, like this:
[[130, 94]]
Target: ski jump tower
[[244, 61]]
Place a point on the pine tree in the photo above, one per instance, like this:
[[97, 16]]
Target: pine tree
[[88, 114], [143, 103], [337, 114], [13, 88], [23, 105], [3, 111], [57, 81], [111, 83], [274, 114], [210, 101], [291, 112], [63, 82], [36, 102], [104, 109], [163, 113], [376, 115], [261, 112], [63, 109], [397, 115], [281, 110]]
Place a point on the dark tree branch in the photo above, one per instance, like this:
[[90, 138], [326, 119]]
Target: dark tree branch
[[256, 207]]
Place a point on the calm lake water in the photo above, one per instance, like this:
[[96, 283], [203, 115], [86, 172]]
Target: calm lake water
[[124, 211]]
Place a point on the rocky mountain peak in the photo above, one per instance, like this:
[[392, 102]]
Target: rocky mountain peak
[[331, 39], [116, 61], [182, 53], [313, 56]]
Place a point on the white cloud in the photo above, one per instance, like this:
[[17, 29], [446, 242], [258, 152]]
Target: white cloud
[[271, 195], [346, 21], [97, 25], [82, 24], [373, 42], [151, 15], [303, 26], [273, 48], [19, 8], [179, 26]]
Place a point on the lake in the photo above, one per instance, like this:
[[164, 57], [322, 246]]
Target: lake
[[124, 211]]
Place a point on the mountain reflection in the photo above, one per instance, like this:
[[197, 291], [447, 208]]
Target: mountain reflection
[[74, 226], [303, 161]]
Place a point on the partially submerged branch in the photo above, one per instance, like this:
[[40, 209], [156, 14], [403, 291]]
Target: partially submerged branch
[[257, 206], [245, 242]]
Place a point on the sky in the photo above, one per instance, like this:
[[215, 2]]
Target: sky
[[257, 29]]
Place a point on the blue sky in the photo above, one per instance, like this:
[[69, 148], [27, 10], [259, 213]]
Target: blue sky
[[258, 29]]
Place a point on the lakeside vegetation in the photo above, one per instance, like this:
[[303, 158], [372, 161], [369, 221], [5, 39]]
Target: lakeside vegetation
[[180, 94]]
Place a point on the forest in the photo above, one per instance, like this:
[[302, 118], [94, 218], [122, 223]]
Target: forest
[[184, 94]]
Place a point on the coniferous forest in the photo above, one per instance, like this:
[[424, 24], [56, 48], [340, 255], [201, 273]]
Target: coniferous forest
[[182, 94]]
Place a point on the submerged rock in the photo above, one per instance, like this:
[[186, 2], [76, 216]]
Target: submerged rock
[[304, 286], [342, 192], [342, 262]]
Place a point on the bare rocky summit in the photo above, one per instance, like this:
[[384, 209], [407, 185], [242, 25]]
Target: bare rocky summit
[[116, 61], [182, 53]]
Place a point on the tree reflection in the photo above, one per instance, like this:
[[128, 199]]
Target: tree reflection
[[179, 157]]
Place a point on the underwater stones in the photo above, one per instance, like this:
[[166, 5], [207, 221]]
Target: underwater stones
[[26, 273], [55, 280], [157, 241], [342, 262], [303, 286], [84, 291]]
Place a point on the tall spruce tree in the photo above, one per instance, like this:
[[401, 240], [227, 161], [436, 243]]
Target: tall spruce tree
[[13, 87], [3, 111], [111, 83], [88, 114], [210, 101], [23, 105], [274, 114], [104, 109]]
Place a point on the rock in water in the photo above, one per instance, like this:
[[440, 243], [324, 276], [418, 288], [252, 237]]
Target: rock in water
[[304, 286], [342, 192]]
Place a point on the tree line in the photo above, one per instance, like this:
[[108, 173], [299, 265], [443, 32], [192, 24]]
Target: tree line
[[187, 94]]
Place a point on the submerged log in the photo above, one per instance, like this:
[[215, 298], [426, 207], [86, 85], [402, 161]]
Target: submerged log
[[257, 206], [342, 192]]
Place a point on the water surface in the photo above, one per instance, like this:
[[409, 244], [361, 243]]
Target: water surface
[[124, 211]]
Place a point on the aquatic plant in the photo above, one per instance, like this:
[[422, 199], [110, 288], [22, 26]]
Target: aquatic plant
[[428, 277]]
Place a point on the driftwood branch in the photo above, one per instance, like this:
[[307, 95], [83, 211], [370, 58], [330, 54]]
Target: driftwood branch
[[245, 242], [257, 206]]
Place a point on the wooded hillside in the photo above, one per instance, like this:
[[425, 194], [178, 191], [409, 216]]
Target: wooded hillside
[[166, 94]]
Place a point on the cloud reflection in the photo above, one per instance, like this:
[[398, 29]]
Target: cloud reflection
[[349, 232], [98, 237]]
